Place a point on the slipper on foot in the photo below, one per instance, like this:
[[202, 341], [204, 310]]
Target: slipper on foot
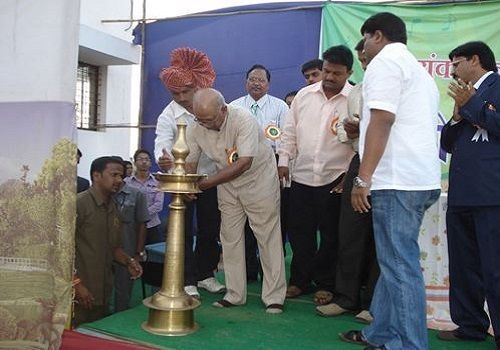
[[223, 304], [364, 317], [293, 292], [353, 337], [323, 297], [274, 309], [330, 310]]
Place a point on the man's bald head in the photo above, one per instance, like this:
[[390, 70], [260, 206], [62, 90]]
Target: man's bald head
[[205, 98], [210, 108]]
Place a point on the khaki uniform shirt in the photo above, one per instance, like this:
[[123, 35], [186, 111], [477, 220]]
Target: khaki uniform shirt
[[240, 132], [98, 234]]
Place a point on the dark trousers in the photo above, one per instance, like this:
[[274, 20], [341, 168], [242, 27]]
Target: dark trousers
[[153, 235], [357, 268], [474, 263], [251, 251], [122, 288], [201, 262], [313, 209]]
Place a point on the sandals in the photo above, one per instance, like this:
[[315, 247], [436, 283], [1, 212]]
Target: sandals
[[353, 337], [223, 304], [364, 317], [323, 297], [274, 308], [293, 292]]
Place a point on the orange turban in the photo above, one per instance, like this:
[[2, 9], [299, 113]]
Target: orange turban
[[188, 67]]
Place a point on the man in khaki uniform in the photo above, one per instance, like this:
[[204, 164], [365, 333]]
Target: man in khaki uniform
[[248, 187], [98, 242]]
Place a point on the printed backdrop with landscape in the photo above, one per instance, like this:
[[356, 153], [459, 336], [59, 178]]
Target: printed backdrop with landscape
[[37, 215]]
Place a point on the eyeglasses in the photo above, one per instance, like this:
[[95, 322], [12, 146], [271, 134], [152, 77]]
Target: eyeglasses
[[143, 159], [205, 121], [212, 119], [257, 80]]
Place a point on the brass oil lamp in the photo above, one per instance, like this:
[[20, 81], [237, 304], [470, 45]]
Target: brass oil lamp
[[171, 309]]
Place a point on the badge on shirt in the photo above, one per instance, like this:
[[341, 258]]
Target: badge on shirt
[[333, 124], [272, 132], [480, 133], [232, 155], [491, 107]]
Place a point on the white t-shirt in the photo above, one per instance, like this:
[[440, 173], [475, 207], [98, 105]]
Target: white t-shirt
[[396, 82]]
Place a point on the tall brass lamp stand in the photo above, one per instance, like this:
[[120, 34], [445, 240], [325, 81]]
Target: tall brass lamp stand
[[171, 308]]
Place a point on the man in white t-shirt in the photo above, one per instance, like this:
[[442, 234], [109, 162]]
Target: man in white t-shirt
[[400, 166]]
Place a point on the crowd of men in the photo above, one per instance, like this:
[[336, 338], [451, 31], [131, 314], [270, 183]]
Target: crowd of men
[[353, 165]]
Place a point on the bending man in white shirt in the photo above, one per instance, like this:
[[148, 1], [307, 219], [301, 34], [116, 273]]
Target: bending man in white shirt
[[181, 80]]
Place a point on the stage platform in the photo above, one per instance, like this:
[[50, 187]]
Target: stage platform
[[249, 327]]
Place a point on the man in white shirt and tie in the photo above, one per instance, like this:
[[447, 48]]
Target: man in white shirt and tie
[[269, 111]]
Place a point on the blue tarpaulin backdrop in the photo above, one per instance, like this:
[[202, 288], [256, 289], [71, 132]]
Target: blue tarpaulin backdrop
[[281, 36]]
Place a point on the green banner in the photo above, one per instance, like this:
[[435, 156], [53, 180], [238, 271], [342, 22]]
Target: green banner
[[433, 31]]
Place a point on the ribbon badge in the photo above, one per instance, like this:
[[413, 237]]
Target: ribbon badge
[[480, 132], [334, 122], [232, 155], [272, 132]]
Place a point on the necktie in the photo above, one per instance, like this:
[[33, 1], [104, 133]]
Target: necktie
[[253, 108]]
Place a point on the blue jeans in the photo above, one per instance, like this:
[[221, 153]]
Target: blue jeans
[[398, 305]]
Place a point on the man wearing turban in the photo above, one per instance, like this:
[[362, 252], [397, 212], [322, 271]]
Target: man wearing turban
[[189, 71]]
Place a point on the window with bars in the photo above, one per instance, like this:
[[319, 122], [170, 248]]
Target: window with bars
[[87, 96]]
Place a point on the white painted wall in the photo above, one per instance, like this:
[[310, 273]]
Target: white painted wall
[[39, 45], [94, 11], [120, 103]]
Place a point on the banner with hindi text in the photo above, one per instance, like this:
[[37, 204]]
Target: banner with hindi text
[[433, 31]]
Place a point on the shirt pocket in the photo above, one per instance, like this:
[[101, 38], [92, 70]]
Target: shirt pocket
[[151, 190], [127, 212]]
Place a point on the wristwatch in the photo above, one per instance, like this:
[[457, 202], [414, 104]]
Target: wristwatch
[[142, 255], [360, 183]]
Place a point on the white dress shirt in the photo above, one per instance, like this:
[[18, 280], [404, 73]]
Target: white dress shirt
[[310, 136], [166, 133], [354, 108], [270, 111]]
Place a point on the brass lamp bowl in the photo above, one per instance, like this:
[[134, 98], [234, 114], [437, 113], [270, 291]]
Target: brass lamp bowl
[[173, 183]]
